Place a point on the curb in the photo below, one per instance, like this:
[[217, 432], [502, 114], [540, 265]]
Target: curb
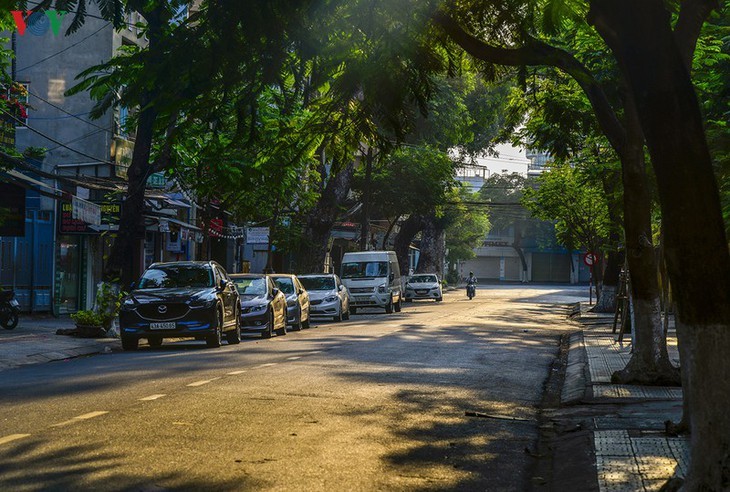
[[576, 379]]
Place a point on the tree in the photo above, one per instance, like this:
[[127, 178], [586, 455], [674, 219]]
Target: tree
[[654, 59]]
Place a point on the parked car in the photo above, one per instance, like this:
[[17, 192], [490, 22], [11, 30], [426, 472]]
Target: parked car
[[181, 299], [373, 280], [327, 296], [297, 300], [263, 306], [424, 286]]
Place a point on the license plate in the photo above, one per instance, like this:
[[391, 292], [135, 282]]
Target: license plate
[[162, 326], [14, 303], [421, 292]]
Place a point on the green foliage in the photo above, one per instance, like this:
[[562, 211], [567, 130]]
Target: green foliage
[[88, 318], [468, 225], [576, 204]]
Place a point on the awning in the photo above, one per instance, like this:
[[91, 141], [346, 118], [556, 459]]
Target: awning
[[24, 180]]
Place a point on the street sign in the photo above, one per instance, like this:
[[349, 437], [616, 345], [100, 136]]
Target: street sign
[[257, 235], [590, 259]]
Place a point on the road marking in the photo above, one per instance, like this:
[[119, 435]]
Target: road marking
[[261, 366], [233, 373], [85, 416], [201, 383], [314, 352], [293, 358], [12, 437], [151, 397]]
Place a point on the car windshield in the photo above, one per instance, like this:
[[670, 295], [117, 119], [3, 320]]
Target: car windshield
[[250, 286], [285, 285], [363, 269], [422, 279], [176, 277], [318, 283]]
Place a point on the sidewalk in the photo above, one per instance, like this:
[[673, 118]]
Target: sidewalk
[[625, 424], [34, 341]]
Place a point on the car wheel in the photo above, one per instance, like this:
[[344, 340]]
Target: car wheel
[[439, 299], [297, 326], [155, 342], [397, 306], [339, 316], [233, 337], [353, 310], [130, 343], [389, 306], [214, 340], [269, 331], [282, 331]]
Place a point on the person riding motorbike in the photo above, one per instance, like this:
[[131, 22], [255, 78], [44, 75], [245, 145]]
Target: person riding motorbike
[[471, 285]]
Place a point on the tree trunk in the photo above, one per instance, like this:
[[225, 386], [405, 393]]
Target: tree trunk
[[319, 222], [433, 248], [408, 230], [123, 263], [698, 261], [614, 258], [365, 221], [649, 363]]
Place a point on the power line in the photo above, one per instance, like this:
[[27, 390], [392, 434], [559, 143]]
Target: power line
[[63, 50], [69, 114], [51, 139]]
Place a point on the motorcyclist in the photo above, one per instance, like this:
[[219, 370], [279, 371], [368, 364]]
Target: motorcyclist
[[471, 285]]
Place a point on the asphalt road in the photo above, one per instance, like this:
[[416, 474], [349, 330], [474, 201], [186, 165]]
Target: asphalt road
[[374, 403]]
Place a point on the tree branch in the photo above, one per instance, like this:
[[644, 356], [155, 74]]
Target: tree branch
[[692, 15], [538, 53]]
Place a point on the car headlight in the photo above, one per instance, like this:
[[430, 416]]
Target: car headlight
[[330, 299], [129, 304], [260, 307], [382, 289], [203, 303]]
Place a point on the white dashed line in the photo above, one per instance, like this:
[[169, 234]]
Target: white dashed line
[[261, 366], [293, 358], [85, 416], [233, 373], [12, 437], [201, 383], [151, 397], [314, 352]]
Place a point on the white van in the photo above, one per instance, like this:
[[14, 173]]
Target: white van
[[373, 279]]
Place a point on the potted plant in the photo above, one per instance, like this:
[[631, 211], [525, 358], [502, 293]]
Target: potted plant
[[89, 324]]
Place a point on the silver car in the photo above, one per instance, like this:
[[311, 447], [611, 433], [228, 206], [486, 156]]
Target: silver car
[[297, 300], [424, 286], [327, 296]]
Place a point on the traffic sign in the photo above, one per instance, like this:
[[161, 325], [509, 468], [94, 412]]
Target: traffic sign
[[590, 259]]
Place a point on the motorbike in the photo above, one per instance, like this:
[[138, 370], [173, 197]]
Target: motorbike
[[471, 290], [9, 309]]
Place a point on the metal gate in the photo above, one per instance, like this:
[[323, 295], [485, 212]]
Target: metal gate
[[26, 263]]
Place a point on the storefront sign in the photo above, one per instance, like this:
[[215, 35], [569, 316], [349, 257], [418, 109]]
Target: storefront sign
[[87, 211], [12, 210], [257, 235], [122, 152], [67, 224], [157, 180]]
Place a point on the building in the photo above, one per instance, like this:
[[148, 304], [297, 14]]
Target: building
[[58, 263]]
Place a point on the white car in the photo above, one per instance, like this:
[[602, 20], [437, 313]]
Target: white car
[[424, 286], [327, 296]]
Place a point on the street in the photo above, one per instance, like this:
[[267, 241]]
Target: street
[[375, 403]]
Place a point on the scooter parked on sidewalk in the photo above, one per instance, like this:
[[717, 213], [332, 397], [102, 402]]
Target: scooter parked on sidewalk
[[9, 309]]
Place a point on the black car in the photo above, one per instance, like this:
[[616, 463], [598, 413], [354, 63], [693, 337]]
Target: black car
[[181, 299], [263, 306]]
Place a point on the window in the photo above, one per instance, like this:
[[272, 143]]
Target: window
[[363, 269]]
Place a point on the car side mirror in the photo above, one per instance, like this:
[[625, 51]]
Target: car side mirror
[[342, 287], [300, 291], [223, 284], [275, 292]]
